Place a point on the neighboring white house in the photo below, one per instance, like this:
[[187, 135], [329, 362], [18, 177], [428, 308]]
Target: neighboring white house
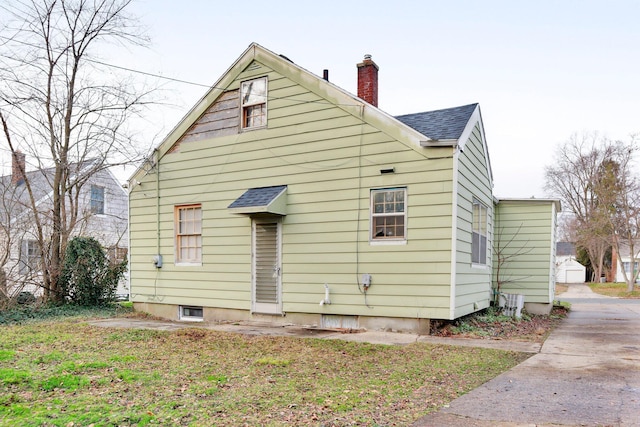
[[102, 214], [568, 269], [623, 261]]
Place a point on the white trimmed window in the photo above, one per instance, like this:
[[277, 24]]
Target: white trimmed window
[[479, 235], [188, 234], [627, 267], [191, 313], [253, 98], [389, 214], [30, 257], [97, 200]]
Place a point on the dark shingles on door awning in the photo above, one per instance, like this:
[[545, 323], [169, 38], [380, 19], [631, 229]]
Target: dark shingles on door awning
[[261, 200]]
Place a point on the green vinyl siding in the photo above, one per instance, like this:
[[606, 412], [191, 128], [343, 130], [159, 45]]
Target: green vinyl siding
[[330, 158], [472, 283], [525, 237]]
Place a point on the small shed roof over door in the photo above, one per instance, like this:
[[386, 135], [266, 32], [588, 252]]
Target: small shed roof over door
[[272, 200]]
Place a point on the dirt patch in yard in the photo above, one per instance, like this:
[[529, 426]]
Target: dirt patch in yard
[[491, 324]]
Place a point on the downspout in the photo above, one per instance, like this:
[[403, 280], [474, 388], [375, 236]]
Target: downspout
[[157, 257], [129, 190], [157, 202]]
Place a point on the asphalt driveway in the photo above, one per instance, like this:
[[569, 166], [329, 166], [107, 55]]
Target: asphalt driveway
[[586, 374]]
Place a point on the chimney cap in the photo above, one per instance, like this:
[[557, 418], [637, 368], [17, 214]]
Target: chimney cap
[[367, 57]]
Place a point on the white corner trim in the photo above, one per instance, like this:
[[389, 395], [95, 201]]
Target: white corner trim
[[454, 236], [476, 117], [468, 129]]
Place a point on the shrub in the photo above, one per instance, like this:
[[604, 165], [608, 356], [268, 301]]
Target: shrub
[[88, 278], [25, 298]]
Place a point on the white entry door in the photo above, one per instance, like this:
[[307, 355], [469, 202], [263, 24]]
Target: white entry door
[[266, 292]]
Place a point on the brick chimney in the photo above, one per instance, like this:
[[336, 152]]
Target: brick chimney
[[17, 168], [368, 81]]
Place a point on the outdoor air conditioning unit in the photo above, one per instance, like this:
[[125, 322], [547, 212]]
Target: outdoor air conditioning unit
[[512, 304]]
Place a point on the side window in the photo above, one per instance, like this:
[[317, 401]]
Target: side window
[[188, 229], [479, 235], [29, 256], [97, 200], [117, 254], [389, 214], [253, 99]]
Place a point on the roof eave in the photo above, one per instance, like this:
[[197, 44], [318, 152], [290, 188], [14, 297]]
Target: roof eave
[[439, 143]]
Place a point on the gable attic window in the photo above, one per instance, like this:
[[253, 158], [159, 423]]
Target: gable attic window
[[253, 98], [97, 200], [479, 234], [389, 214], [188, 234]]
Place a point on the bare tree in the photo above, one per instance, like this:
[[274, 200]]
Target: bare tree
[[60, 107], [572, 179], [596, 180], [507, 248], [618, 190]]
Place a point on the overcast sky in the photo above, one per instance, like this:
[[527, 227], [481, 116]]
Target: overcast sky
[[541, 70]]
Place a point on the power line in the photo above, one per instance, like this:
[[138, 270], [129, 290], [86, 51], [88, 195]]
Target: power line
[[147, 73], [33, 45]]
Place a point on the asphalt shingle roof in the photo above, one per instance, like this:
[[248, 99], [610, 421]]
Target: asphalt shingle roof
[[565, 249], [16, 197], [448, 123], [256, 197]]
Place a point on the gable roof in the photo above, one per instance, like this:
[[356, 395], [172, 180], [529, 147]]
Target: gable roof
[[40, 181], [447, 127], [16, 196], [625, 250], [445, 124], [565, 249]]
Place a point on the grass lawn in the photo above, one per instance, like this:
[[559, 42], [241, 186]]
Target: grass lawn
[[614, 290], [68, 373]]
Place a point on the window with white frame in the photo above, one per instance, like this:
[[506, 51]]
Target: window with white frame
[[253, 98], [479, 234], [30, 257], [97, 200], [191, 313], [389, 214], [117, 254], [627, 267], [188, 234]]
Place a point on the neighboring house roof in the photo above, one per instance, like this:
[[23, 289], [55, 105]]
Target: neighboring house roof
[[41, 182], [565, 249], [624, 250], [445, 124]]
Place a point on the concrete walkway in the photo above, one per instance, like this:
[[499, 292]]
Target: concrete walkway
[[586, 374]]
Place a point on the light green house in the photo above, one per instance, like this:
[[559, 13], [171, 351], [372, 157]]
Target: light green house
[[524, 250], [281, 197]]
